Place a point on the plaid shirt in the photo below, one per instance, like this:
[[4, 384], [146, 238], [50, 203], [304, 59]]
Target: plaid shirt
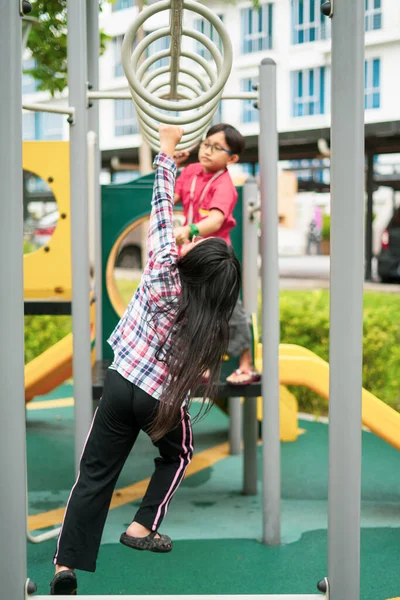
[[144, 325]]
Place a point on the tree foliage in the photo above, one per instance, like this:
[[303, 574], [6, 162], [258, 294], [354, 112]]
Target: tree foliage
[[48, 44]]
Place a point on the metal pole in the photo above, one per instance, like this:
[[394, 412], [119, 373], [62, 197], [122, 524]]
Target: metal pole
[[93, 45], [77, 82], [369, 217], [250, 297], [347, 262], [268, 157], [49, 108], [107, 95], [12, 397], [176, 17], [250, 437], [235, 425]]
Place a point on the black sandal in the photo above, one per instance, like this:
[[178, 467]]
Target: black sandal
[[64, 584], [150, 542]]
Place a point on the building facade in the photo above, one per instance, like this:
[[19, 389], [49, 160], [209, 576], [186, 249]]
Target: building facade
[[292, 32]]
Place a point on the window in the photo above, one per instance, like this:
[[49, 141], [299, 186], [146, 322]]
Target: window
[[158, 46], [28, 82], [125, 122], [249, 113], [373, 15], [29, 126], [117, 43], [210, 32], [122, 4], [372, 95], [51, 126], [257, 28], [217, 118], [308, 23], [308, 92], [42, 126]]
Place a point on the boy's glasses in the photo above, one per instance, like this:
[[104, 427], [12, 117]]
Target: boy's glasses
[[214, 148]]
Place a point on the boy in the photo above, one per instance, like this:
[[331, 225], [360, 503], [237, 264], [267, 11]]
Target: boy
[[208, 197]]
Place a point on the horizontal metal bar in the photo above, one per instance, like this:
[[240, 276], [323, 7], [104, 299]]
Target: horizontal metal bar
[[252, 211], [50, 108], [42, 537], [197, 597], [127, 96]]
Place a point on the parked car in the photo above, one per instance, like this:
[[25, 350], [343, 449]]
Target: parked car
[[389, 257], [44, 229]]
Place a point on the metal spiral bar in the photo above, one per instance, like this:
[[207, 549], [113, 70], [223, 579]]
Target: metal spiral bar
[[185, 92]]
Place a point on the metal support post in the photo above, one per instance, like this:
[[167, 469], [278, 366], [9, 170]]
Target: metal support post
[[176, 17], [268, 158], [235, 425], [250, 298], [346, 299], [93, 45], [250, 437], [77, 83], [12, 398], [369, 217]]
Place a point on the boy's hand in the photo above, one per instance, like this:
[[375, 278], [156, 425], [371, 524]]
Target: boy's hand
[[170, 136], [182, 235], [181, 157]]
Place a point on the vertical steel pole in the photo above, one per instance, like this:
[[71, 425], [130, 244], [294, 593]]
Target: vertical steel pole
[[369, 217], [12, 397], [235, 425], [347, 262], [77, 83], [268, 158], [93, 43], [250, 297]]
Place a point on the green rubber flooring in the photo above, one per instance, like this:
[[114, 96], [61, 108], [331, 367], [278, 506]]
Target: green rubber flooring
[[216, 529]]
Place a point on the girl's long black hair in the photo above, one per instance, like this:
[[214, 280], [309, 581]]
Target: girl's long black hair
[[211, 279]]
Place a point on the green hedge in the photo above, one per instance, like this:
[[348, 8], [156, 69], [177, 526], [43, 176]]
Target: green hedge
[[41, 332], [305, 321]]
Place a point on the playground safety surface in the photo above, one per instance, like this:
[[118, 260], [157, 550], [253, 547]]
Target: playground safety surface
[[215, 528]]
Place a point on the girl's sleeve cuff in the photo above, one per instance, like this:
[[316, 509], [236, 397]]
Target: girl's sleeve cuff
[[165, 161]]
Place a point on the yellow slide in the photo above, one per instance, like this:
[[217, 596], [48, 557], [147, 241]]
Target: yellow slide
[[299, 366], [51, 368]]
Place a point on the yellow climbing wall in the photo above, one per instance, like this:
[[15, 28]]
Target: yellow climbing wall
[[47, 271]]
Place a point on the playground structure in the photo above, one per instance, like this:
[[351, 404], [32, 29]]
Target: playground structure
[[346, 291]]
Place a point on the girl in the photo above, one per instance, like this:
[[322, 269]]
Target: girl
[[174, 329]]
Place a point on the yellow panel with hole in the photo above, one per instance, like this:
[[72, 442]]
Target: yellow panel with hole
[[47, 271]]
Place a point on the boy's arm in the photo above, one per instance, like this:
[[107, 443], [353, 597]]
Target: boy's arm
[[177, 198], [207, 226]]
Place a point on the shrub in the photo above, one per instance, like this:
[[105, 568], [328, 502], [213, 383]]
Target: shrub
[[305, 321], [326, 227], [43, 331]]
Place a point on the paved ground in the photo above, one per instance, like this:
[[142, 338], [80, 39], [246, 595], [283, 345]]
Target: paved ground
[[297, 273]]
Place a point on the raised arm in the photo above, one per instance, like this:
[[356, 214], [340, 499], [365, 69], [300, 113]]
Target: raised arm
[[161, 242]]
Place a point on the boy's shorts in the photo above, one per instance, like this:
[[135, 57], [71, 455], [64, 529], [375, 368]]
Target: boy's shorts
[[240, 337]]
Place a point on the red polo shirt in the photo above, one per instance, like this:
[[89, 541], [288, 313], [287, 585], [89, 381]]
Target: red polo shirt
[[221, 195]]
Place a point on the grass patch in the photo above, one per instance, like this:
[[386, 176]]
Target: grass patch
[[126, 288]]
